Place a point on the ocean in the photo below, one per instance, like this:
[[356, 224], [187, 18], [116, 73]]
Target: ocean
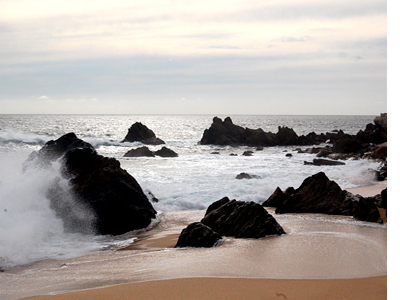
[[30, 231]]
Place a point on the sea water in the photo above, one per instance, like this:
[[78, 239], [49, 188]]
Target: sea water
[[31, 231]]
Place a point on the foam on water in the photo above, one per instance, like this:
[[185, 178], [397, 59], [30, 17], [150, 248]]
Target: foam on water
[[195, 181], [30, 229]]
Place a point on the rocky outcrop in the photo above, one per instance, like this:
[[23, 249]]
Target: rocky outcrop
[[344, 146], [197, 235], [146, 152], [100, 184], [140, 152], [324, 162], [318, 194], [140, 133], [227, 133], [241, 219]]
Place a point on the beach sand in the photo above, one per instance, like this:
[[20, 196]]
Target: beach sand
[[234, 288]]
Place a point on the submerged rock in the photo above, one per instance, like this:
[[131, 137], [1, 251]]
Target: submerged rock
[[100, 184], [140, 133], [246, 176]]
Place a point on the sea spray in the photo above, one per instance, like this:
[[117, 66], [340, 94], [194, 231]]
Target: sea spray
[[30, 228]]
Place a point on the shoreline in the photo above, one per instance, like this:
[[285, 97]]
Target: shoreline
[[369, 190], [371, 288], [193, 288]]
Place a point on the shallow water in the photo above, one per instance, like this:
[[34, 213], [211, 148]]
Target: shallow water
[[315, 246]]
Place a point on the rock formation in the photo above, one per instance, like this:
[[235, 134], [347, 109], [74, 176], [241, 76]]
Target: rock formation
[[318, 194], [197, 235], [145, 151], [99, 183], [241, 219], [140, 133]]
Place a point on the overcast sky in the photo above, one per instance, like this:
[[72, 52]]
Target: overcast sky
[[195, 57]]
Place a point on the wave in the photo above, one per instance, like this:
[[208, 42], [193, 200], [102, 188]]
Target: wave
[[31, 229], [18, 137]]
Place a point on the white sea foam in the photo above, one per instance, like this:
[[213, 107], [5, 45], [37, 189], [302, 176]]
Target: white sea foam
[[30, 229]]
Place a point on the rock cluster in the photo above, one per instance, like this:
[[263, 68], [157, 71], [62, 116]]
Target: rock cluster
[[111, 194], [145, 151], [318, 194], [224, 132], [230, 218]]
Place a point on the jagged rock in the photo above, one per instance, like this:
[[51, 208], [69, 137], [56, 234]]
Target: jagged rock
[[276, 198], [346, 145], [246, 176], [197, 235], [318, 194], [241, 220], [324, 162], [99, 183], [140, 133], [165, 152], [140, 152]]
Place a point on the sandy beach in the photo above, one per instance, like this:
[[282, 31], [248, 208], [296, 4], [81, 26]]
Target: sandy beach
[[304, 286]]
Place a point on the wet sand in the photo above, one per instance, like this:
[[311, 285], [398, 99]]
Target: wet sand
[[316, 260], [237, 288]]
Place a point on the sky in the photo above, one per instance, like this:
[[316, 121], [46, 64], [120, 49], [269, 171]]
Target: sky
[[269, 57]]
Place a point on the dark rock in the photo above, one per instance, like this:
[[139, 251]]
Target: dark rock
[[140, 152], [217, 204], [248, 153], [346, 145], [140, 133], [289, 155], [317, 194], [99, 183], [383, 202], [324, 162], [275, 199], [144, 151], [242, 220], [286, 136], [246, 176], [366, 210], [197, 235], [165, 152]]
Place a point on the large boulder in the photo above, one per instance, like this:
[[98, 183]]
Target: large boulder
[[140, 133], [241, 220], [197, 235], [318, 194], [100, 184]]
